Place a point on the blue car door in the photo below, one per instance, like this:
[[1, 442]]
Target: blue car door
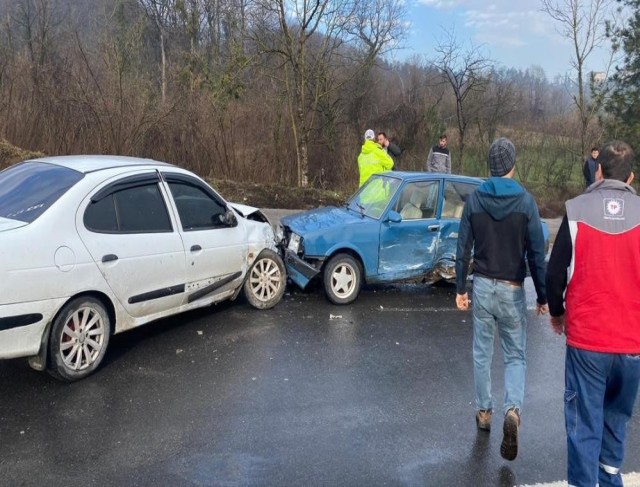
[[408, 247], [453, 200]]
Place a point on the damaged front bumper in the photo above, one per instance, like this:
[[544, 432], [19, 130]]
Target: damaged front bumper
[[299, 270]]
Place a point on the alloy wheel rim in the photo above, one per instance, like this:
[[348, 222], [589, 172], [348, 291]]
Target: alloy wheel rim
[[265, 279], [343, 281], [82, 338]]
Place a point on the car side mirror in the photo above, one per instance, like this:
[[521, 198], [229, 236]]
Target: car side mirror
[[394, 217], [228, 218]]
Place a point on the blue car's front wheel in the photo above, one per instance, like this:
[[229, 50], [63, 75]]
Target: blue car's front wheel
[[342, 279]]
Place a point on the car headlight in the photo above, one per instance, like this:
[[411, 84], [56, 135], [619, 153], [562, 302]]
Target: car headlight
[[294, 243]]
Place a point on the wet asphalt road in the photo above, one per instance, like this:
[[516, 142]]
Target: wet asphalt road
[[378, 393]]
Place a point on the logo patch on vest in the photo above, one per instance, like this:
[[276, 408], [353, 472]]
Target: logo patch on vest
[[614, 208]]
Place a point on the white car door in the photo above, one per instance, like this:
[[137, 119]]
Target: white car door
[[216, 249], [126, 226]]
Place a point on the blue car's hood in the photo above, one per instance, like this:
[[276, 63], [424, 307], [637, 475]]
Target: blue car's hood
[[320, 219]]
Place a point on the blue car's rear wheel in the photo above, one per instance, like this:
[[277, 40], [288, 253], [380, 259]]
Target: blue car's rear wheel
[[342, 279]]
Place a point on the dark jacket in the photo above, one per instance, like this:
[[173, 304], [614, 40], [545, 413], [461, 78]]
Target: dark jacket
[[394, 151], [589, 171], [501, 223], [594, 269]]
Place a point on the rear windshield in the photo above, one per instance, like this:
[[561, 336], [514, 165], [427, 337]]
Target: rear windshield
[[28, 189]]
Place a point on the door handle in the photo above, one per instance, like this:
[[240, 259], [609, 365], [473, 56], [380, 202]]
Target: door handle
[[109, 258], [433, 228], [195, 248]]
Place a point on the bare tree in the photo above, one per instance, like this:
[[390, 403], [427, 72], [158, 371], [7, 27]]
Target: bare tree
[[584, 23], [498, 103], [315, 40], [466, 71], [158, 11]]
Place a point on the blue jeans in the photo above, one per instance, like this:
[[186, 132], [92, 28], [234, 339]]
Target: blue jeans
[[600, 391], [502, 305]]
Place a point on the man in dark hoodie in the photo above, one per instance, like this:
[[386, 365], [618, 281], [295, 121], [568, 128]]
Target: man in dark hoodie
[[501, 223]]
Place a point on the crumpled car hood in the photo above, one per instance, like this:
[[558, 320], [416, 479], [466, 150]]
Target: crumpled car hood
[[244, 209], [320, 219]]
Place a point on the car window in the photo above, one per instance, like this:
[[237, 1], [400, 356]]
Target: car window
[[455, 196], [418, 200], [374, 196], [139, 209], [197, 208], [27, 190]]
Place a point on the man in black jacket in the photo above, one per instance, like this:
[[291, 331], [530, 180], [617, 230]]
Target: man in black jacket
[[590, 167], [500, 222], [390, 148]]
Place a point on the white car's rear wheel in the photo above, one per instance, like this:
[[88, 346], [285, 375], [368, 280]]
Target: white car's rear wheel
[[342, 279], [265, 283], [79, 339]]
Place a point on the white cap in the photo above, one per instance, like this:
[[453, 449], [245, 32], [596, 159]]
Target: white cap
[[369, 134]]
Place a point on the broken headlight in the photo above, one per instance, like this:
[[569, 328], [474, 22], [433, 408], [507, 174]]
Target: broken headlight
[[294, 243]]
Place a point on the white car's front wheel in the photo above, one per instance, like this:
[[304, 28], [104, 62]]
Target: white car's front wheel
[[342, 279], [79, 338], [265, 283]]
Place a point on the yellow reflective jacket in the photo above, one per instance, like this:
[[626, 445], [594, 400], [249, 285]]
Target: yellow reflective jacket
[[372, 159]]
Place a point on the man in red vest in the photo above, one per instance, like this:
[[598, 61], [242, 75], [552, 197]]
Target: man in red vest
[[593, 289]]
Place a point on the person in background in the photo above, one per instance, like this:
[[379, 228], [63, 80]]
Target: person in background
[[439, 159], [593, 284], [500, 221], [389, 147], [372, 158], [590, 166]]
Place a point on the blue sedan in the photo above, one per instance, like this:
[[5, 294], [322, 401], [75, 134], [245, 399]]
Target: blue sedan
[[399, 226]]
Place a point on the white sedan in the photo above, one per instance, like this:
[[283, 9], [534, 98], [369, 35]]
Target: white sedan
[[96, 245]]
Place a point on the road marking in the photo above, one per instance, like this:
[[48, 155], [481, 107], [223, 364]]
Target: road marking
[[415, 310], [630, 480]]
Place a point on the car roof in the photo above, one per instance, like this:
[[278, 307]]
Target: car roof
[[421, 176], [91, 163]]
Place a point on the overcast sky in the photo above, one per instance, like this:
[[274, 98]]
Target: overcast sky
[[512, 32]]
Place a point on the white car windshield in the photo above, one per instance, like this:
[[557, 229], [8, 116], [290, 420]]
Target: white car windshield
[[374, 196]]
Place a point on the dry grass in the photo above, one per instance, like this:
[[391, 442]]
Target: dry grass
[[10, 154], [276, 196], [550, 200]]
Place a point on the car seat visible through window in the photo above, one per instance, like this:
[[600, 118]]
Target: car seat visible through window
[[453, 204], [412, 211]]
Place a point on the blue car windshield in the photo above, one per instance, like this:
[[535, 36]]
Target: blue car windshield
[[374, 196], [28, 189]]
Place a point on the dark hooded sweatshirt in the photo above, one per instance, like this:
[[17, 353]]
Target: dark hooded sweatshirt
[[501, 223]]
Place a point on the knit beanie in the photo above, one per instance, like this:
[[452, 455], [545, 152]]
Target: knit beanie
[[502, 157]]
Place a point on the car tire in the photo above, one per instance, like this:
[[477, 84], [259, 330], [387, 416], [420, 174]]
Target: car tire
[[342, 279], [266, 280], [79, 339]]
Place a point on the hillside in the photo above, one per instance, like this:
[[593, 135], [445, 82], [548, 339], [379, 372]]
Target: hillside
[[551, 203]]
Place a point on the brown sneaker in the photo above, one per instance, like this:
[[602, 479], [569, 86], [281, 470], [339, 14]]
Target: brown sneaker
[[483, 419], [509, 446]]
